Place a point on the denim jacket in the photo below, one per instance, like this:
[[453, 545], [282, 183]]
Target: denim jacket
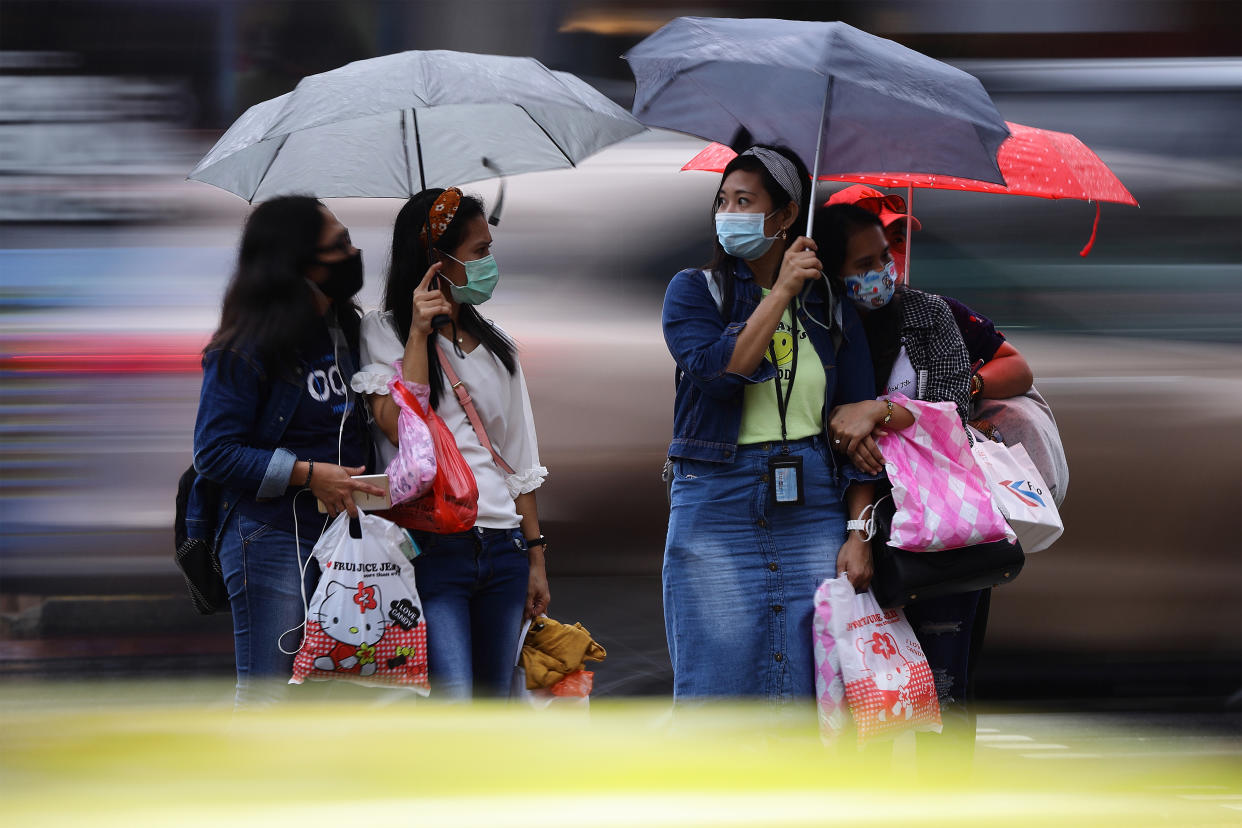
[[242, 415], [707, 413]]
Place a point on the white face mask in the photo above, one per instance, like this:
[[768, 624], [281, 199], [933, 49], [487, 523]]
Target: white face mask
[[741, 234]]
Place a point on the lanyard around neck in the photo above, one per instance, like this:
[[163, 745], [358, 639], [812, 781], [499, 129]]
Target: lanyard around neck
[[783, 400]]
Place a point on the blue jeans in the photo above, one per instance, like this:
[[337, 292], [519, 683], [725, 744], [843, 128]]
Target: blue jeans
[[261, 571], [740, 574], [473, 588]]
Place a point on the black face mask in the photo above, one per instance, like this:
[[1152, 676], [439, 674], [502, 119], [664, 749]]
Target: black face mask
[[344, 277]]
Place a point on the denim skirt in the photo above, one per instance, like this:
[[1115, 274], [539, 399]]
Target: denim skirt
[[740, 573]]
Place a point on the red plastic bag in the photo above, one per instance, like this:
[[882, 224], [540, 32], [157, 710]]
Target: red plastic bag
[[452, 504], [577, 684]]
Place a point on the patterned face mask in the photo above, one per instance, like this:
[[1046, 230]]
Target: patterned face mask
[[873, 289]]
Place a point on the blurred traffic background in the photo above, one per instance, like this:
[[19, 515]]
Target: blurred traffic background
[[112, 267]]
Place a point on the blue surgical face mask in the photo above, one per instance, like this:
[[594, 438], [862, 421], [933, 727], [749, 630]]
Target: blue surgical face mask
[[741, 234], [873, 289], [481, 277]]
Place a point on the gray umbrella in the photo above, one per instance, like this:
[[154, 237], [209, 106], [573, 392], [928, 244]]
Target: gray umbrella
[[852, 101], [393, 125]]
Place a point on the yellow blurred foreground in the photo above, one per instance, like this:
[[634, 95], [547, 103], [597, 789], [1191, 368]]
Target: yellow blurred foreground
[[174, 754]]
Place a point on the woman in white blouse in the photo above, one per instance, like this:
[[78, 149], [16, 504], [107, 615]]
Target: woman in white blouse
[[476, 586]]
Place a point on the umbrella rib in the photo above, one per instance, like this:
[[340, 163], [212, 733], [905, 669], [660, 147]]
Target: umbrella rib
[[545, 132], [418, 144], [259, 181], [405, 148]]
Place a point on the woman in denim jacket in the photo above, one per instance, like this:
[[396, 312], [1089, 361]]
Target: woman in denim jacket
[[758, 500], [277, 428], [918, 351]]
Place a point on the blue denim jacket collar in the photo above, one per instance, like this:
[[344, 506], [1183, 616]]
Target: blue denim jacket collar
[[708, 407]]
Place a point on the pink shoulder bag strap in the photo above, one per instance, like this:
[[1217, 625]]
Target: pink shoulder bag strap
[[463, 397]]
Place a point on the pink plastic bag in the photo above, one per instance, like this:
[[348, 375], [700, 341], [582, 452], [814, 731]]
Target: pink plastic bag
[[414, 467], [942, 499], [872, 658], [829, 686]]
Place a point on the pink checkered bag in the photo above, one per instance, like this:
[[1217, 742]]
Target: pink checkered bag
[[941, 496], [868, 657]]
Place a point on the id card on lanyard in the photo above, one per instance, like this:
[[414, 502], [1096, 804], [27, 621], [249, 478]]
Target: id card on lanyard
[[785, 470]]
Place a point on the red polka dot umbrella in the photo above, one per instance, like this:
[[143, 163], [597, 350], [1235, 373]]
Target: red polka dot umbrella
[[1035, 162]]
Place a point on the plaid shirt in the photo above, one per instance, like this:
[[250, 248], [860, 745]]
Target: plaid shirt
[[937, 353]]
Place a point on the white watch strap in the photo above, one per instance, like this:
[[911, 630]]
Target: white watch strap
[[864, 523]]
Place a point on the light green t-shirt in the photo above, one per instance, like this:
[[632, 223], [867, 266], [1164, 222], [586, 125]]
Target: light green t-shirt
[[761, 419]]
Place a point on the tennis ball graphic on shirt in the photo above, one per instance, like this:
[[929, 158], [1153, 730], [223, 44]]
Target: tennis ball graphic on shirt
[[782, 345]]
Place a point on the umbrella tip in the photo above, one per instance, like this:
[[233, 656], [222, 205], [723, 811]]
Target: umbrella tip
[[494, 218]]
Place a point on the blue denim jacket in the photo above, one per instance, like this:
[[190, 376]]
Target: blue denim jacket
[[242, 415], [707, 414]]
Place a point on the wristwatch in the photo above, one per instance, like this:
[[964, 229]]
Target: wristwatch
[[976, 385]]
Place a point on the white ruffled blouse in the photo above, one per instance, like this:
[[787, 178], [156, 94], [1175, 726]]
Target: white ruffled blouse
[[503, 405]]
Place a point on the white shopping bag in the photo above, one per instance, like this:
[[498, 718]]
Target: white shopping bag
[[888, 683], [365, 621], [1020, 493]]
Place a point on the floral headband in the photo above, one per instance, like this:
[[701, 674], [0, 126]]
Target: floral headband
[[440, 216]]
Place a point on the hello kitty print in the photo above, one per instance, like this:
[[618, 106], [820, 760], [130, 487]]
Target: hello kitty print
[[365, 621]]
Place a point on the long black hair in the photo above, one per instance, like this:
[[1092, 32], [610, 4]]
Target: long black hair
[[724, 266], [834, 227], [269, 306], [410, 260]]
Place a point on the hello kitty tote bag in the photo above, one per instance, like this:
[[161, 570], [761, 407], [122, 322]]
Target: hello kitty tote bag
[[365, 622], [870, 656], [942, 498]]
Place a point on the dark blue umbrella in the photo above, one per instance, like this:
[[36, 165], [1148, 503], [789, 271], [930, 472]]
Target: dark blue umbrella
[[853, 101]]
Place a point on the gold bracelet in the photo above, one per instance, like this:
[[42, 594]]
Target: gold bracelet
[[889, 415]]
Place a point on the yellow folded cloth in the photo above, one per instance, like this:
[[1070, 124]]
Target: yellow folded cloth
[[554, 650]]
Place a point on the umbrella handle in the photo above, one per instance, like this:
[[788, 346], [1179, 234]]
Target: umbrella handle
[[440, 319]]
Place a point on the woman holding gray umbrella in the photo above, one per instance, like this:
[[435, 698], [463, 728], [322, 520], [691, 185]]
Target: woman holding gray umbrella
[[476, 585], [759, 502]]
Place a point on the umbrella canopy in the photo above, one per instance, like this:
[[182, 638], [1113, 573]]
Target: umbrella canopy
[[393, 125], [1035, 162], [826, 90]]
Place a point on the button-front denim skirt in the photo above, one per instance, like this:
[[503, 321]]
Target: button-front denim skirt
[[740, 573]]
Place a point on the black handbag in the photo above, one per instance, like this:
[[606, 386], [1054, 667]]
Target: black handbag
[[901, 576], [196, 557]]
